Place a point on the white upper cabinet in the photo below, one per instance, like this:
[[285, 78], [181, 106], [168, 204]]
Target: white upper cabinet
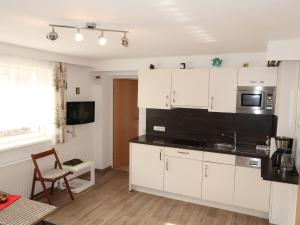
[[257, 76], [183, 176], [190, 88], [251, 191], [147, 166], [154, 89], [222, 90]]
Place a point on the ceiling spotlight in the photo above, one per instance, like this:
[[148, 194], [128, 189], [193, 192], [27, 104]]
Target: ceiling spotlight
[[102, 40], [125, 41], [78, 36], [52, 35]]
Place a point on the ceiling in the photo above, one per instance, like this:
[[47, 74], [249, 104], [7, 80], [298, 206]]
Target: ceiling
[[157, 27]]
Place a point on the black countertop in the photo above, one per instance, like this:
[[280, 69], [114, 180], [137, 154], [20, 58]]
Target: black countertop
[[267, 171], [241, 150]]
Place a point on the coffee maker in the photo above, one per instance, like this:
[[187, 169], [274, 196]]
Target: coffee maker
[[282, 158]]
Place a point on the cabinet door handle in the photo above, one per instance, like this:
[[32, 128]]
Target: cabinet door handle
[[206, 166], [167, 97], [211, 102], [160, 155], [253, 81], [174, 96], [253, 164], [167, 165], [261, 82], [181, 152]]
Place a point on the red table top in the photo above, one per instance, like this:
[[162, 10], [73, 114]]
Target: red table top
[[11, 199]]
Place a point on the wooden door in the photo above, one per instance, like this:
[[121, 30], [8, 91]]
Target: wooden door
[[154, 89], [147, 166], [218, 182], [190, 88], [222, 90], [126, 119], [183, 176]]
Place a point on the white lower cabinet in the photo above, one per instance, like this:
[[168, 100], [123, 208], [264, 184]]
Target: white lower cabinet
[[218, 182], [208, 176], [183, 176], [251, 191], [147, 166]]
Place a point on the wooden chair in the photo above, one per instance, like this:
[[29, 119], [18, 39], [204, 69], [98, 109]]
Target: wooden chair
[[51, 175]]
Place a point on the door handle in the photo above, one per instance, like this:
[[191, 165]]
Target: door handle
[[167, 97], [167, 165], [205, 172], [211, 102], [183, 152], [160, 158], [253, 81], [174, 96]]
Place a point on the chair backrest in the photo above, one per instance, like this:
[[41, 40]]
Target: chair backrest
[[37, 156]]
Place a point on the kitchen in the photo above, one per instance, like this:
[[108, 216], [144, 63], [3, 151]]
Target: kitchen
[[206, 143]]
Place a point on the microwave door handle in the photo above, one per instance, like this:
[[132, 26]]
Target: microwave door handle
[[264, 99]]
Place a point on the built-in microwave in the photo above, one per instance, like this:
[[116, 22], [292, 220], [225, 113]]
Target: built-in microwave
[[256, 100]]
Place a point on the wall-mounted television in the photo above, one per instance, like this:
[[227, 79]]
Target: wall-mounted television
[[80, 112]]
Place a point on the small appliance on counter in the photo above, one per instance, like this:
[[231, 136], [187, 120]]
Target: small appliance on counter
[[282, 158]]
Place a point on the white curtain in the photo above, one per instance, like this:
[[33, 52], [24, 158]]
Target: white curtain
[[26, 96]]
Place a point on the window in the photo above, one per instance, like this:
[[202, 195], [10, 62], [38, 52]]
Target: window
[[27, 103]]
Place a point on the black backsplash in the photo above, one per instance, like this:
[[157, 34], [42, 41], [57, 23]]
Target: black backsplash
[[199, 124]]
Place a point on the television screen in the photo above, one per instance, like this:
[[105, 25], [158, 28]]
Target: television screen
[[80, 112]]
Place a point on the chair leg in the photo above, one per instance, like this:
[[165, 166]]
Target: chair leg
[[68, 188], [33, 185], [46, 192], [52, 186]]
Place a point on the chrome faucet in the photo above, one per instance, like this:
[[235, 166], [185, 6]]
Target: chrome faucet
[[234, 137]]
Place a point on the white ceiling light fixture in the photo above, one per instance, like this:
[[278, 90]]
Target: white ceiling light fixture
[[79, 36], [52, 35], [102, 40]]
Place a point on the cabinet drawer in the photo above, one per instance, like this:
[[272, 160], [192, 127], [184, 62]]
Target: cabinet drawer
[[219, 158], [184, 153]]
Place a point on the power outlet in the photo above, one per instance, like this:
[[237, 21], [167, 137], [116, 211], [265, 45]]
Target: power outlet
[[159, 128]]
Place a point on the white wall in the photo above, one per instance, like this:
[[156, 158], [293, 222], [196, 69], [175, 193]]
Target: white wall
[[286, 102], [14, 50], [283, 196], [283, 203], [17, 177], [135, 64]]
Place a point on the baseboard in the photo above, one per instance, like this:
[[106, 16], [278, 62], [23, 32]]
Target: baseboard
[[104, 169], [232, 208]]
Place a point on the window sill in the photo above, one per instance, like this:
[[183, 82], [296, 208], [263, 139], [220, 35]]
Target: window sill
[[24, 143]]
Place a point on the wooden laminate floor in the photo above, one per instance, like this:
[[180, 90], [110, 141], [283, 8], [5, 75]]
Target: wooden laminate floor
[[123, 168], [110, 203]]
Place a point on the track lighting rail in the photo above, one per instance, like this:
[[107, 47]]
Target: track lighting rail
[[87, 28], [102, 40]]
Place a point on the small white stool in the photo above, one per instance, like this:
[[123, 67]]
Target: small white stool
[[78, 185]]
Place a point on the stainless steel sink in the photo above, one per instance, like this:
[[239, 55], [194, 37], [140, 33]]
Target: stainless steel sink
[[224, 146]]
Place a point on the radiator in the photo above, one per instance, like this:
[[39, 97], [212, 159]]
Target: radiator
[[16, 177]]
